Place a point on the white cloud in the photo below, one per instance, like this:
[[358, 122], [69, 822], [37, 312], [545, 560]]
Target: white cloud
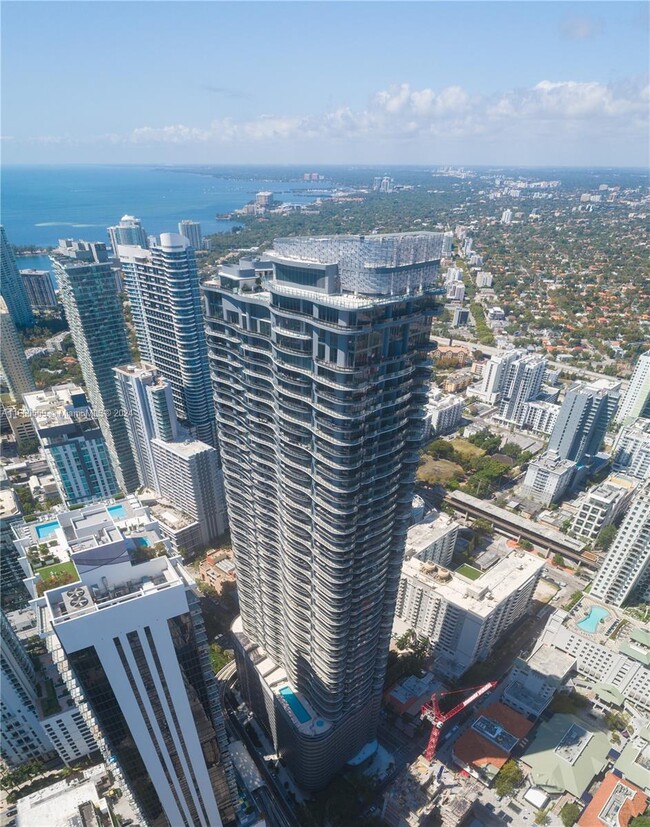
[[570, 100], [402, 113]]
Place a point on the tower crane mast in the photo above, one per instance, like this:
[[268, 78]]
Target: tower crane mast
[[432, 712]]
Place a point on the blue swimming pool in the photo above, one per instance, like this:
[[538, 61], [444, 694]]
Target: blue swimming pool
[[141, 541], [116, 510], [590, 623], [296, 707], [43, 531]]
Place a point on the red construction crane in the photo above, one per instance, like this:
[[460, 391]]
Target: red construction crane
[[432, 712]]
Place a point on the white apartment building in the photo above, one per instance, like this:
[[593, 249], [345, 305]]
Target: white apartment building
[[456, 291], [464, 618], [38, 716], [636, 401], [631, 450], [443, 415], [613, 661], [183, 471], [625, 571], [548, 478], [523, 382], [22, 737], [433, 539], [532, 683], [148, 405], [73, 443], [484, 279], [192, 232], [128, 638], [540, 416], [506, 217], [189, 476], [601, 505], [512, 378]]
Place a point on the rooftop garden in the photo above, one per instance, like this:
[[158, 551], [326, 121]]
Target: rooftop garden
[[469, 571], [59, 574]]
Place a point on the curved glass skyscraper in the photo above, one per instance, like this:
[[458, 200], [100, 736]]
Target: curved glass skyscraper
[[163, 288], [319, 377]]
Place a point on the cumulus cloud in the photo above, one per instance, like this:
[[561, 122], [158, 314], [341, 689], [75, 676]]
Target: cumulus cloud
[[570, 100], [406, 114]]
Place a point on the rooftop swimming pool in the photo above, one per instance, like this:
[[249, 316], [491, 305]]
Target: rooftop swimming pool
[[590, 623], [116, 510], [43, 531], [296, 707]]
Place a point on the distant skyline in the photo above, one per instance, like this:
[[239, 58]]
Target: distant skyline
[[502, 83]]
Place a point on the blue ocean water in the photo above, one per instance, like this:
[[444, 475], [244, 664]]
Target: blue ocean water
[[42, 204]]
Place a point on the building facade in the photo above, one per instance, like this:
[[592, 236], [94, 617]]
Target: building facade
[[192, 232], [163, 288], [73, 443], [464, 618], [128, 638], [189, 475], [128, 231], [433, 539], [625, 572], [184, 471], [12, 288], [320, 385], [12, 357], [511, 379], [146, 397], [22, 737], [600, 506], [39, 288], [636, 401], [631, 450], [521, 384], [444, 415], [617, 667], [96, 321], [548, 477], [583, 419]]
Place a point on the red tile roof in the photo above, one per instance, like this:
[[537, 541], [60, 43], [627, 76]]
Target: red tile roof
[[633, 807]]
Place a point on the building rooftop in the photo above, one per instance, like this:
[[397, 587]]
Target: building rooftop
[[75, 544], [565, 756], [144, 371], [487, 743], [186, 449], [62, 804], [482, 595], [634, 761], [58, 406], [615, 803], [608, 626], [423, 534], [9, 507], [551, 663]]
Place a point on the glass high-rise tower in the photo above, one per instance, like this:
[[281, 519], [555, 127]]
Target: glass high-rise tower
[[163, 288], [96, 321], [320, 386], [12, 288]]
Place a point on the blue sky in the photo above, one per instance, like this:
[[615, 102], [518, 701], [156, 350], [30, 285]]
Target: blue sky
[[535, 83]]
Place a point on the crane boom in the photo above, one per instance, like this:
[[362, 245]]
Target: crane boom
[[432, 712]]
